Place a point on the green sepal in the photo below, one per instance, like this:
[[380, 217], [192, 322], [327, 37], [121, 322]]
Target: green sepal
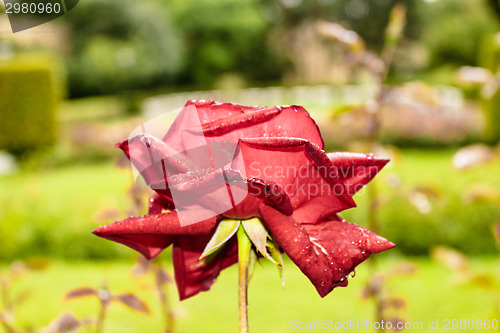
[[277, 258], [251, 264], [258, 234], [225, 230]]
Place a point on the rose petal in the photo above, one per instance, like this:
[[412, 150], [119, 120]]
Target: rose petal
[[356, 169], [327, 251], [193, 276], [158, 203], [287, 163], [154, 159], [151, 234], [237, 121]]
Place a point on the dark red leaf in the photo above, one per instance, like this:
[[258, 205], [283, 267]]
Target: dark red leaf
[[396, 303], [65, 324], [81, 292], [141, 267], [163, 277], [497, 231], [132, 302]]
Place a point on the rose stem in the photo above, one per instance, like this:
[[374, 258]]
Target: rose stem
[[244, 248]]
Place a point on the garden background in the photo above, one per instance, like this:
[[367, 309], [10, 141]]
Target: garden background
[[414, 80]]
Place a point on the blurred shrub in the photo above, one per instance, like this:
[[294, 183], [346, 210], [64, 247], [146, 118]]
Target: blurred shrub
[[52, 212], [491, 109], [368, 18], [118, 45], [489, 52], [453, 30], [489, 58], [29, 90], [425, 201], [455, 223]]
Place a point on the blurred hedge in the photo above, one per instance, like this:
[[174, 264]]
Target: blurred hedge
[[453, 30], [29, 92]]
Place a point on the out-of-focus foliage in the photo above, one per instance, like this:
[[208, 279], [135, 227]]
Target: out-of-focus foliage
[[495, 5], [491, 108], [368, 18], [489, 58], [29, 91], [426, 201], [50, 213], [453, 30], [123, 45], [119, 45], [224, 36], [486, 82], [489, 53]]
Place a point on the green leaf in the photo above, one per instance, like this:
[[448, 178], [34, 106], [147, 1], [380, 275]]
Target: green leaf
[[251, 264], [225, 230], [258, 234], [276, 255]]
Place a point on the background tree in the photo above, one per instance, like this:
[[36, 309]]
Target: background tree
[[119, 45]]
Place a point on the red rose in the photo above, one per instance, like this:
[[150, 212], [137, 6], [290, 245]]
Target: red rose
[[230, 161]]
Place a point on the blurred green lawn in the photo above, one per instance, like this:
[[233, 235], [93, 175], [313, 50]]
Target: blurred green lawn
[[51, 212], [432, 292]]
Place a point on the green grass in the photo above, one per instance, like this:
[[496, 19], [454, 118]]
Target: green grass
[[92, 109], [52, 212], [431, 293]]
